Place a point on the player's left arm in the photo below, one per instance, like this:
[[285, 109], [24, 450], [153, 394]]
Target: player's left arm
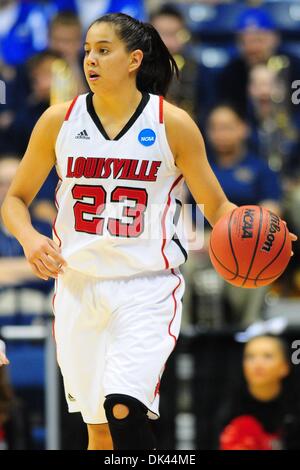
[[188, 149]]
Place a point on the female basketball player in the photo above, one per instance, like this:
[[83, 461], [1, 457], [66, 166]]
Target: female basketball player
[[122, 154]]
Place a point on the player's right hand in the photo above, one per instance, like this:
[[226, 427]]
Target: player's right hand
[[44, 256]]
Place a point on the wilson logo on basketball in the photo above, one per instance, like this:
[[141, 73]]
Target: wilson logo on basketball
[[274, 227], [248, 220]]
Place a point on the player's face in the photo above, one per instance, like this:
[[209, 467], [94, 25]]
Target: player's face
[[107, 63], [264, 362]]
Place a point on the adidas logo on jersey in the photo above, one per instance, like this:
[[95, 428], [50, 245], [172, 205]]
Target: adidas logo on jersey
[[82, 135]]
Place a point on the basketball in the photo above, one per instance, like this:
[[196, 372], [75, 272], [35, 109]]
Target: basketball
[[250, 247]]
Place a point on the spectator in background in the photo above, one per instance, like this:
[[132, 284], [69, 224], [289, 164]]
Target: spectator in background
[[264, 414], [170, 24], [19, 39], [16, 90], [39, 69], [274, 135], [244, 177], [8, 75], [40, 76], [23, 30], [258, 43], [65, 39], [275, 138]]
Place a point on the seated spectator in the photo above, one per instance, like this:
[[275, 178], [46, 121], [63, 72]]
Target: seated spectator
[[65, 39], [40, 74], [258, 42], [39, 69], [170, 24], [16, 89], [191, 91], [23, 31], [274, 134], [264, 414], [244, 177]]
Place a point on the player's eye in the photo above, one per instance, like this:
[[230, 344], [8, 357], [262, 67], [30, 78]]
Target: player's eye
[[86, 52], [103, 51]]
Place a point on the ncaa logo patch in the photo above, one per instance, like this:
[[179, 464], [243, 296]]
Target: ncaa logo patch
[[147, 137]]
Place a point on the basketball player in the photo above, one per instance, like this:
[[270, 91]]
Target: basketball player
[[121, 154]]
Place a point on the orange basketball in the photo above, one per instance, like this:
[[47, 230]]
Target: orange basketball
[[250, 246]]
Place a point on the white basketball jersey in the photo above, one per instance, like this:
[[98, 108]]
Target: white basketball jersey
[[118, 200]]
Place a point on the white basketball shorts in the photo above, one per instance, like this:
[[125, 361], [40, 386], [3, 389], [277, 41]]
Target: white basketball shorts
[[115, 336]]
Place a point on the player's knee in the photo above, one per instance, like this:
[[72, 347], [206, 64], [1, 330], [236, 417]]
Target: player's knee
[[128, 423], [122, 407]]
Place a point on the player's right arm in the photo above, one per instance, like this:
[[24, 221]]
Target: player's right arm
[[42, 253]]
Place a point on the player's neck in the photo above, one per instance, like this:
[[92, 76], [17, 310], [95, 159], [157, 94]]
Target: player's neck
[[265, 392], [117, 105]]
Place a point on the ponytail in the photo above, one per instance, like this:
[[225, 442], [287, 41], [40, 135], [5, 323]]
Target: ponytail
[[158, 67]]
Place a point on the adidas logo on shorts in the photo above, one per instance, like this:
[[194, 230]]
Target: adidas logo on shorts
[[82, 135], [70, 397]]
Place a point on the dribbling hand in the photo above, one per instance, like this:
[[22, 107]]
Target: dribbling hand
[[44, 256]]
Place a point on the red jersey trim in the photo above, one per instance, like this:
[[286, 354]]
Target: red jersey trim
[[70, 108], [163, 223], [53, 308], [161, 109], [56, 280], [157, 387], [57, 207], [175, 307]]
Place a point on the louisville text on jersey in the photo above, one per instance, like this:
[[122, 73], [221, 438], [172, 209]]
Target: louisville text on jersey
[[118, 168]]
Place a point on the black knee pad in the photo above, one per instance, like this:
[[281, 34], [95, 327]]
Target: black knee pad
[[132, 432]]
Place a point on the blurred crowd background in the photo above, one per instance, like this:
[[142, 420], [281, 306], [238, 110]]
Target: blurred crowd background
[[239, 79]]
